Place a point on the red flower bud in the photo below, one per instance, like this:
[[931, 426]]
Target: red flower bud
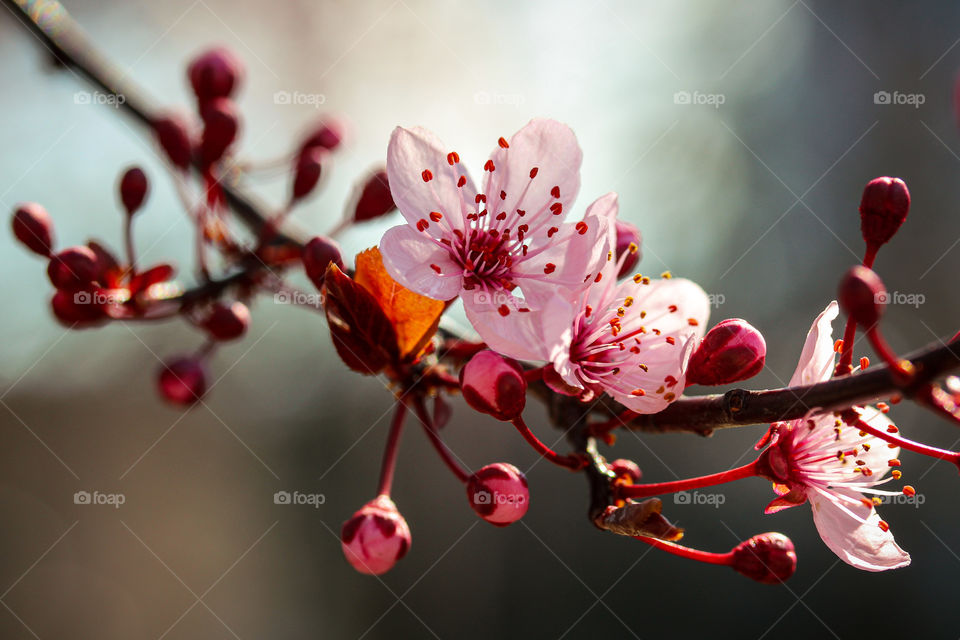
[[375, 199], [731, 351], [862, 295], [494, 385], [183, 381], [227, 322], [76, 309], [626, 469], [306, 173], [220, 125], [768, 558], [375, 537], [628, 235], [498, 493], [317, 256], [133, 189], [174, 138], [33, 228], [74, 268], [327, 134], [883, 208], [215, 74]]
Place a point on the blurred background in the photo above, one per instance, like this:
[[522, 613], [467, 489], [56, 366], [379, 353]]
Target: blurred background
[[739, 136]]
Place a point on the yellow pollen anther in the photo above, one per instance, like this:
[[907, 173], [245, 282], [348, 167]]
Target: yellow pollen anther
[[628, 301], [666, 275]]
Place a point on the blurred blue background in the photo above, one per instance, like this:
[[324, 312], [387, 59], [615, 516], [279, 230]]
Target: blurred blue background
[[751, 189]]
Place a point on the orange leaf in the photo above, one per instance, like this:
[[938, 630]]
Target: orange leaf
[[415, 317]]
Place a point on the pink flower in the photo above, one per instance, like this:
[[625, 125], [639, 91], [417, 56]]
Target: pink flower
[[485, 246], [632, 340], [829, 463]]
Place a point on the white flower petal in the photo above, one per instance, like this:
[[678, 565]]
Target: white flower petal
[[863, 545], [408, 256], [817, 359]]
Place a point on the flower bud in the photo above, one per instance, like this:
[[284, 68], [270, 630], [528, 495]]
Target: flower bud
[[317, 256], [627, 469], [183, 381], [215, 74], [327, 134], [494, 385], [133, 189], [498, 493], [862, 295], [33, 228], [227, 322], [883, 208], [174, 138], [73, 269], [732, 351], [220, 125], [76, 309], [375, 537], [375, 199], [628, 235], [768, 558], [306, 173]]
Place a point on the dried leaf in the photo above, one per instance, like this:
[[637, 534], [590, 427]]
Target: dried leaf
[[640, 519], [415, 317], [362, 334]]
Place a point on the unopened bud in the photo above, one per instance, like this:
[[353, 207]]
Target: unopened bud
[[183, 381], [768, 558], [215, 73], [227, 322], [375, 199], [732, 351], [498, 493], [375, 537], [317, 256], [862, 296], [33, 228], [174, 138], [327, 134], [306, 173], [133, 189], [629, 241], [73, 269], [627, 469], [883, 208], [220, 125], [494, 385]]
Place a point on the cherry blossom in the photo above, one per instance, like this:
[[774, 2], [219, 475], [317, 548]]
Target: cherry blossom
[[831, 464]]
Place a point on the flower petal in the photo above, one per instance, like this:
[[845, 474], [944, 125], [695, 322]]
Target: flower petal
[[863, 545], [547, 146], [817, 359], [530, 335], [411, 153], [410, 257]]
